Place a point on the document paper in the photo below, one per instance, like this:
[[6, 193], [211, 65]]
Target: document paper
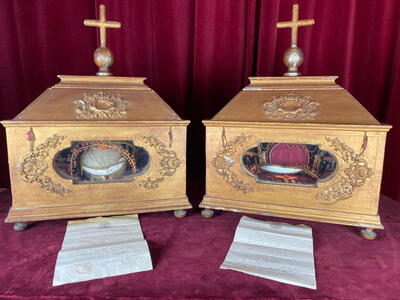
[[272, 250], [101, 247]]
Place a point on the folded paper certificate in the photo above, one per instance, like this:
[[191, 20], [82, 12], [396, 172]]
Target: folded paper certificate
[[101, 247], [272, 250]]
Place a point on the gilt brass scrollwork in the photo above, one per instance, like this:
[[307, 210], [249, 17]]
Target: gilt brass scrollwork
[[101, 105], [354, 175], [33, 166], [169, 163], [222, 163], [291, 107]]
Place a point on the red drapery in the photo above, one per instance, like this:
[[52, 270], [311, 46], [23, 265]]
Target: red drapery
[[198, 54]]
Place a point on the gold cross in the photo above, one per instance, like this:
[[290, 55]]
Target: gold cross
[[102, 24], [295, 23]]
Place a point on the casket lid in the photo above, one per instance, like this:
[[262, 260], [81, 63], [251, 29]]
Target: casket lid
[[97, 100], [295, 100]]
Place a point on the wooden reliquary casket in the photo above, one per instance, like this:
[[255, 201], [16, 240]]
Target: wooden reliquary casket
[[96, 145], [296, 147]]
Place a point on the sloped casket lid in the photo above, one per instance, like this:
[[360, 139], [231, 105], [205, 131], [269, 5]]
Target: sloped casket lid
[[97, 100], [295, 101]]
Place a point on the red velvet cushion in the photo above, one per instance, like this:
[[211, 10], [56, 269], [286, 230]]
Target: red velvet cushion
[[289, 155]]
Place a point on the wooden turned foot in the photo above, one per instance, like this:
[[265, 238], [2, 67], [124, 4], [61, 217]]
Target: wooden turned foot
[[368, 234], [180, 213], [20, 226], [207, 213]]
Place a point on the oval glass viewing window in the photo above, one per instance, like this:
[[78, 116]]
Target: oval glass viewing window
[[290, 164], [101, 161]]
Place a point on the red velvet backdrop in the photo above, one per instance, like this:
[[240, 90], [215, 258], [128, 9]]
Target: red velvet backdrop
[[198, 54]]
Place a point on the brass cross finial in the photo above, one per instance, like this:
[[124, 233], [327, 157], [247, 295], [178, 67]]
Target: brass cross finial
[[102, 24], [295, 24], [103, 56], [293, 56]]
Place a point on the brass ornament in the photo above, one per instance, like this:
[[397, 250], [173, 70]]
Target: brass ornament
[[169, 163], [291, 107], [101, 106], [354, 175], [33, 166], [222, 163]]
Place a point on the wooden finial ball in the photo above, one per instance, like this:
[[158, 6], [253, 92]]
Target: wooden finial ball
[[103, 58], [293, 58]]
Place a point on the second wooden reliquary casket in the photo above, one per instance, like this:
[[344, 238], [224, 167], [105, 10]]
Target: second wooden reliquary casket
[[297, 147]]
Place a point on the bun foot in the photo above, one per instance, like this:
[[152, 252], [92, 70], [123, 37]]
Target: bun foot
[[207, 213], [368, 234], [180, 213], [20, 226]]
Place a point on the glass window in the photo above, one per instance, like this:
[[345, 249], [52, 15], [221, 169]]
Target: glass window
[[286, 163], [101, 161]]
